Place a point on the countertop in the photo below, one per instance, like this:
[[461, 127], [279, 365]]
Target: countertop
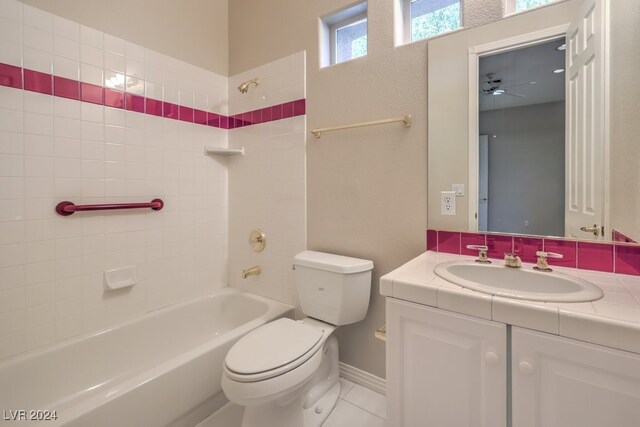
[[612, 321]]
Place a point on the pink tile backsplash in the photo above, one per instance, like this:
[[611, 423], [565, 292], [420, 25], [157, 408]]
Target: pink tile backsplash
[[432, 240], [567, 248], [471, 239], [622, 258], [618, 236], [595, 256], [499, 245], [449, 242], [627, 259], [526, 247]]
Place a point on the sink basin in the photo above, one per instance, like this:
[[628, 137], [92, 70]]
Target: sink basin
[[520, 283]]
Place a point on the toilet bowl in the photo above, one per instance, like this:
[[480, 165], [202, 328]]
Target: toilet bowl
[[285, 373]]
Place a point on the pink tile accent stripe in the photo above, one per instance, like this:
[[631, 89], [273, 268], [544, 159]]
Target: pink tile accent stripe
[[36, 81], [10, 76], [616, 257]]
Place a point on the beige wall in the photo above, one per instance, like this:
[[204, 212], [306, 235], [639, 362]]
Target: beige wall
[[625, 117], [366, 188], [194, 31]]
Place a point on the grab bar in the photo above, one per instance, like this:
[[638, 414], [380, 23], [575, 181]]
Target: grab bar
[[67, 208]]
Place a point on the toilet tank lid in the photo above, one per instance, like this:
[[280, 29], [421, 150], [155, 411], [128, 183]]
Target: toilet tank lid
[[332, 262]]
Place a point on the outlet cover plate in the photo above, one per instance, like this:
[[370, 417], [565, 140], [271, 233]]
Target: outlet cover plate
[[448, 202]]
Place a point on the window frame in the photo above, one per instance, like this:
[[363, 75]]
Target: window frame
[[333, 35], [406, 22]]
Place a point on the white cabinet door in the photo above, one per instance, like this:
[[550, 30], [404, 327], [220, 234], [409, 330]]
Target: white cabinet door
[[560, 382], [444, 369]]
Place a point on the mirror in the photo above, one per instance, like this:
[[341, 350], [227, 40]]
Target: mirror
[[521, 146], [552, 184]]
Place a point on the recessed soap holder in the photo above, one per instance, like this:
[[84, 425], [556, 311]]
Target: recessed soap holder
[[119, 278]]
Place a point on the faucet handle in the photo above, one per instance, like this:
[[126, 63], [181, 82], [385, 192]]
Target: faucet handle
[[541, 264], [478, 247], [543, 254], [482, 253]]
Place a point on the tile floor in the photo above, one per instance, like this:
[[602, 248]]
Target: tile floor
[[357, 407]]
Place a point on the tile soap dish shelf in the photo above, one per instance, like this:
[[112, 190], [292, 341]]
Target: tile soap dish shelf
[[224, 151]]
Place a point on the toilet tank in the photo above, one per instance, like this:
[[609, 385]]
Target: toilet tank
[[333, 288]]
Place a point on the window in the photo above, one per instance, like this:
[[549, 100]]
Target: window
[[530, 4], [344, 35], [429, 18], [351, 41], [515, 6]]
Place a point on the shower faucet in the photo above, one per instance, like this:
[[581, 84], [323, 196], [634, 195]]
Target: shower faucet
[[253, 271]]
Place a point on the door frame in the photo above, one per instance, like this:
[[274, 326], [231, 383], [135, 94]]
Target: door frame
[[475, 52]]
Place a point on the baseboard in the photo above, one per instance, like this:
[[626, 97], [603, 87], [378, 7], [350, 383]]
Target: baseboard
[[365, 379]]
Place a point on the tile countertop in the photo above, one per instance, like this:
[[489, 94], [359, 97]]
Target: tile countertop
[[612, 321]]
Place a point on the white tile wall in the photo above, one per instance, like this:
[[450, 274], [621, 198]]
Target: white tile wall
[[53, 149], [267, 185]]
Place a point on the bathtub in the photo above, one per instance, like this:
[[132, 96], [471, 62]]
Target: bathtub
[[163, 369]]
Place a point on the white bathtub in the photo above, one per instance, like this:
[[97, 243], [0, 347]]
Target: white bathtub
[[162, 369]]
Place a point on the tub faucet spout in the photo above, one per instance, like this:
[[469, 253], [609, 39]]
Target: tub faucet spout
[[253, 271]]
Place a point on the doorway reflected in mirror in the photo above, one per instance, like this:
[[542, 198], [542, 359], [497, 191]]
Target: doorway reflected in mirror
[[521, 153]]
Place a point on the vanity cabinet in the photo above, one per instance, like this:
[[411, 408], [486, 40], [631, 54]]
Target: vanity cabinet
[[444, 369], [560, 382], [449, 369]]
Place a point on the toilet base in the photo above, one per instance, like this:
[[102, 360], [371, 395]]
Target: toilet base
[[292, 415], [318, 413]]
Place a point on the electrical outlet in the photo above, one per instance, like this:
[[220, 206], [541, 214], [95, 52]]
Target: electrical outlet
[[448, 202]]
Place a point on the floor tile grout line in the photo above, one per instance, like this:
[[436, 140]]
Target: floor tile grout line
[[360, 407]]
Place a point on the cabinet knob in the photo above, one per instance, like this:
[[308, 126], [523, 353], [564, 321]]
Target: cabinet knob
[[526, 368], [491, 358]]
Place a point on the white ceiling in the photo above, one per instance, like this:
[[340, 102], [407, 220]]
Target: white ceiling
[[517, 69]]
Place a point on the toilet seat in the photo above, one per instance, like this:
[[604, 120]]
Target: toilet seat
[[272, 350]]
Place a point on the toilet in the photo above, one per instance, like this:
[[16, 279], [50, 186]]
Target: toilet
[[285, 373]]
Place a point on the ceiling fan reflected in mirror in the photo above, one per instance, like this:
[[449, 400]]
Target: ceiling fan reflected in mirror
[[493, 86]]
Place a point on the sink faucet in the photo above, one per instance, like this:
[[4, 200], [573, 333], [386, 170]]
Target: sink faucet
[[512, 260], [542, 264], [482, 253], [253, 271]]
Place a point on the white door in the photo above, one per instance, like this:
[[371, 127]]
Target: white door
[[483, 183], [560, 382], [444, 369], [585, 129]]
